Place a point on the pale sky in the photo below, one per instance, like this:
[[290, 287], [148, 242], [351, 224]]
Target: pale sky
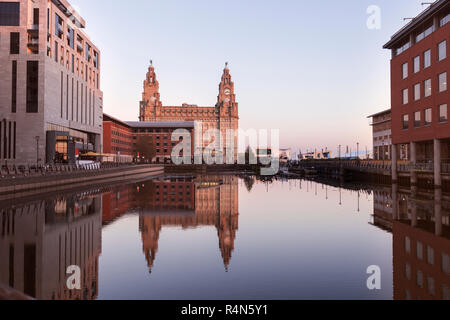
[[309, 68]]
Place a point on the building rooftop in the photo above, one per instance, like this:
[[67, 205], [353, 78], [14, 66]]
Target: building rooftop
[[380, 113], [70, 12], [432, 10], [178, 124]]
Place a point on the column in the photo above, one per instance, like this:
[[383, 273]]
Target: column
[[438, 211], [413, 203], [394, 164], [395, 215], [437, 163], [412, 162]]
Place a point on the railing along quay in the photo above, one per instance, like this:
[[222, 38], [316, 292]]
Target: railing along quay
[[14, 171]]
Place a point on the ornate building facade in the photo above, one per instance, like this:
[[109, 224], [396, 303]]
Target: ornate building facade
[[223, 116]]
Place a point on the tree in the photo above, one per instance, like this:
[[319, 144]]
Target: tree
[[145, 149]]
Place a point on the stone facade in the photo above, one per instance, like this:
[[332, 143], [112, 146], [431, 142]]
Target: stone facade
[[223, 116], [65, 86]]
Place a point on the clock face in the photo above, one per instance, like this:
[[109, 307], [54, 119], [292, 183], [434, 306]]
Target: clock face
[[227, 92]]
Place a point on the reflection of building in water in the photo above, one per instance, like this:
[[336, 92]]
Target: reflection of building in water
[[189, 203], [421, 243], [39, 240]]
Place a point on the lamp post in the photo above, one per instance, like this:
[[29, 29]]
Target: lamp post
[[37, 151]]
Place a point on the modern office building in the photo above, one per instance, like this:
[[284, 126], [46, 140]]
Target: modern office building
[[382, 135], [51, 102], [419, 89]]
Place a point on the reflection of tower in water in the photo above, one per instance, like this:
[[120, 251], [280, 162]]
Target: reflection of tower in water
[[189, 203]]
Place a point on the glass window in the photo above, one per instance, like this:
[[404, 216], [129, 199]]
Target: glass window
[[417, 119], [442, 50], [14, 43], [405, 122], [9, 14], [430, 254], [427, 85], [408, 271], [58, 26], [405, 96], [431, 286], [445, 20], [420, 278], [419, 250], [428, 117], [443, 82], [443, 113], [407, 244], [427, 59], [417, 91], [405, 70], [416, 64], [446, 264], [70, 37]]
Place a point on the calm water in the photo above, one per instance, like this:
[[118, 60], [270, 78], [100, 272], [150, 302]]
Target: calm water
[[228, 237]]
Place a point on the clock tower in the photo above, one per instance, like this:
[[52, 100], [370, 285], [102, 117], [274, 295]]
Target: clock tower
[[226, 101], [150, 107]]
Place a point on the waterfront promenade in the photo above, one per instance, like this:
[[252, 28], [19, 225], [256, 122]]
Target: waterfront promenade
[[57, 178]]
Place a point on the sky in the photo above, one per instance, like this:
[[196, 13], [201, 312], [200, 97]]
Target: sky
[[312, 69]]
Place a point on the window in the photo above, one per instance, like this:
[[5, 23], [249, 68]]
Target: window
[[425, 33], [405, 96], [14, 87], [70, 37], [405, 70], [14, 43], [96, 59], [403, 48], [445, 20], [430, 255], [36, 17], [405, 122], [419, 250], [442, 50], [88, 54], [10, 14], [431, 286], [407, 245], [417, 119], [416, 64], [446, 264], [443, 82], [58, 26], [428, 116], [420, 279], [32, 86], [417, 92], [427, 59], [443, 113], [427, 85], [408, 271]]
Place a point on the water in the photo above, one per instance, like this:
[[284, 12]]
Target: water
[[228, 237]]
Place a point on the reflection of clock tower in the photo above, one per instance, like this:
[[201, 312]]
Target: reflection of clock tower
[[151, 104]]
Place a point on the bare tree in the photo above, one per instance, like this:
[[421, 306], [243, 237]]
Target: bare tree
[[145, 149]]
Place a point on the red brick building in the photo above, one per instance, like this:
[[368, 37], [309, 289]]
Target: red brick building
[[117, 138], [382, 135], [419, 90], [120, 138]]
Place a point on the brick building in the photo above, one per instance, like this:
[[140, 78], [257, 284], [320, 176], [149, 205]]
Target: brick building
[[382, 135], [419, 90], [223, 116], [120, 138], [50, 89]]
